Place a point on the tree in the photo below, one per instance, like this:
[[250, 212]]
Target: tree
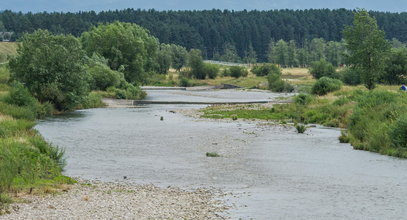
[[250, 56], [52, 68], [367, 47], [195, 62], [230, 54], [164, 59], [179, 56], [128, 47], [292, 54], [396, 67], [280, 53]]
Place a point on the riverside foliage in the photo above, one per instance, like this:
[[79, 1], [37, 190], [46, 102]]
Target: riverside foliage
[[27, 162]]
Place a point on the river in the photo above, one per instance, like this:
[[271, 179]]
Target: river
[[272, 171]]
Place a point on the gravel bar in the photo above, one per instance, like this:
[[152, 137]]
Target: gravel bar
[[99, 200]]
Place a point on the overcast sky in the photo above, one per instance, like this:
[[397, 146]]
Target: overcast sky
[[98, 5]]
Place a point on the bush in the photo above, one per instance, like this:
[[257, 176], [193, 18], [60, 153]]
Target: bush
[[103, 77], [93, 100], [238, 71], [211, 70], [53, 152], [266, 69], [52, 67], [20, 96], [344, 138], [325, 85], [321, 69], [350, 76], [303, 99], [398, 133], [300, 128], [276, 84], [129, 92], [184, 82]]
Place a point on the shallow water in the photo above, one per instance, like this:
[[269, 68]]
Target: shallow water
[[273, 172]]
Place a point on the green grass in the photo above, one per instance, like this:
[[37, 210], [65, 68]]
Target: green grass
[[7, 49], [375, 120], [212, 154], [243, 112], [28, 164]]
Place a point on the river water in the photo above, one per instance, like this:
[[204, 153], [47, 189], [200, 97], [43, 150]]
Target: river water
[[271, 171]]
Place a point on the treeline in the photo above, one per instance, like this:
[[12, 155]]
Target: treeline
[[213, 31]]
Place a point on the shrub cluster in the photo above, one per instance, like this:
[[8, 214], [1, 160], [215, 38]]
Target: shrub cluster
[[264, 70], [325, 85], [235, 71], [322, 68], [276, 84]]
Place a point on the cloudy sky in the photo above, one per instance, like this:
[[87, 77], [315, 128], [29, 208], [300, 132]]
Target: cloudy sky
[[98, 5]]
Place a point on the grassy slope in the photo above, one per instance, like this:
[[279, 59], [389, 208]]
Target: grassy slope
[[27, 163], [7, 49]]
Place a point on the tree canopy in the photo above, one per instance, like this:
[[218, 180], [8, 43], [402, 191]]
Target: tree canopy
[[367, 47], [128, 47], [52, 68], [211, 30]]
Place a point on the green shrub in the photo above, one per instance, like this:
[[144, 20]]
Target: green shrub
[[128, 92], [103, 77], [303, 99], [264, 70], [321, 69], [21, 97], [238, 71], [93, 100], [276, 84], [300, 128], [53, 152], [398, 133], [344, 138], [325, 85], [350, 76], [184, 82], [211, 70]]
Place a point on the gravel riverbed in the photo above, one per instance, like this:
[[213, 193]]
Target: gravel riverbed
[[100, 200]]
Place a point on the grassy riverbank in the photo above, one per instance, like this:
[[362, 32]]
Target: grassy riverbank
[[28, 164], [372, 120]]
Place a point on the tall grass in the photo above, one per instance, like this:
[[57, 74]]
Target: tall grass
[[27, 161], [375, 120]]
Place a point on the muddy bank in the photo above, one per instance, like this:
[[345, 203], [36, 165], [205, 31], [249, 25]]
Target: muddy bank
[[97, 200]]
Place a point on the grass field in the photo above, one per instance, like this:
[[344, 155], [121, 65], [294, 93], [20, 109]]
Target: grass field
[[7, 49], [296, 76]]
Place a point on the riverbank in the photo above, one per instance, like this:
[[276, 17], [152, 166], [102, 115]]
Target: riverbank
[[101, 200], [371, 120]]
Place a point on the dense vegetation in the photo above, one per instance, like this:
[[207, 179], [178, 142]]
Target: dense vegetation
[[27, 162], [214, 31]]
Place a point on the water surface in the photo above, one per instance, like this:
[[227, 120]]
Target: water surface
[[273, 172]]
